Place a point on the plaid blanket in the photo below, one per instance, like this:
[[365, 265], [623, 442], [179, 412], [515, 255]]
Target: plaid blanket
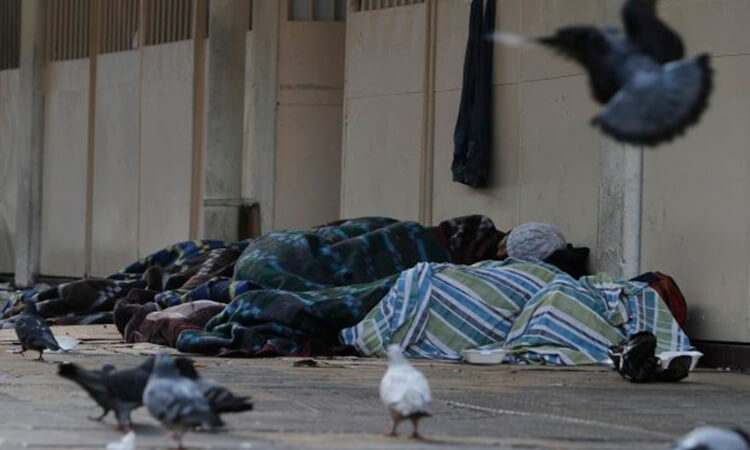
[[532, 309], [311, 285], [173, 275]]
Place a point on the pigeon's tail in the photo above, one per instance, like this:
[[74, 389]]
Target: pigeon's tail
[[656, 107], [91, 381], [223, 401]]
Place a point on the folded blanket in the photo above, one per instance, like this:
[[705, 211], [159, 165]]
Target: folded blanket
[[536, 311]]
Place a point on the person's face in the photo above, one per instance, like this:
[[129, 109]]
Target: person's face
[[502, 248]]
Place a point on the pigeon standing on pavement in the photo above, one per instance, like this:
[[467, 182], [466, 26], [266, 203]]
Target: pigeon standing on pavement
[[404, 391], [121, 391], [33, 332], [649, 92], [713, 438], [177, 402]]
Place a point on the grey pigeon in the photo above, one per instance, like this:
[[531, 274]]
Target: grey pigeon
[[33, 332], [713, 438], [649, 92], [176, 401], [404, 391], [121, 391]]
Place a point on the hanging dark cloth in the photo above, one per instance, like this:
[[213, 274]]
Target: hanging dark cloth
[[473, 135]]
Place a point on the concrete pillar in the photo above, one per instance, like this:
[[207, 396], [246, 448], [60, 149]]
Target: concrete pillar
[[228, 26], [266, 28], [618, 249], [620, 194], [30, 143]]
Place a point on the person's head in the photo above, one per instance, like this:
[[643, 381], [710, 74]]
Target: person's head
[[531, 241]]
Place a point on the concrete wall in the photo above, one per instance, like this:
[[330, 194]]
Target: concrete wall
[[696, 217], [166, 145], [547, 159], [9, 88], [116, 162], [309, 127], [384, 112], [64, 182]]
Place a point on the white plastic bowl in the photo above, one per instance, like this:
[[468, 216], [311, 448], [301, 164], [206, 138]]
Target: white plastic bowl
[[485, 357], [666, 357]]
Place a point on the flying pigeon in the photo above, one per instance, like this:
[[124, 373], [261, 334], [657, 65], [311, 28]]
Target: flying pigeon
[[712, 438], [649, 92], [404, 391], [176, 401], [33, 332], [121, 391]]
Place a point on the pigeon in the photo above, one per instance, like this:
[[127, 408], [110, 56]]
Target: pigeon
[[121, 391], [176, 401], [404, 392], [650, 93], [126, 443], [33, 332], [713, 438]]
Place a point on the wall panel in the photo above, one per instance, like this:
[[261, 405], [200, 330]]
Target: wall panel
[[116, 163], [64, 181], [9, 111]]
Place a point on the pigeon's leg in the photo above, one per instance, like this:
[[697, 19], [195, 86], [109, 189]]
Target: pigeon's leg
[[415, 434], [123, 419], [19, 352], [177, 436], [100, 418], [393, 432], [40, 356]]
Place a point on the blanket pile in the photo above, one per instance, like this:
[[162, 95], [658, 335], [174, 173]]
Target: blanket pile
[[538, 313]]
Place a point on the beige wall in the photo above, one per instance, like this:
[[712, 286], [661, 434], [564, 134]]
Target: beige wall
[[546, 161], [65, 168], [166, 145], [116, 162], [309, 123], [9, 88], [696, 214], [384, 112]]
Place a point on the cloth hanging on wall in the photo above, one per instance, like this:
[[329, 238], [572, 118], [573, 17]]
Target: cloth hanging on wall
[[473, 136]]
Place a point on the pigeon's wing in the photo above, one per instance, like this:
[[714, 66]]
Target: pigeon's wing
[[656, 106], [405, 390], [128, 385], [591, 48], [33, 330], [178, 401], [221, 399], [649, 33]]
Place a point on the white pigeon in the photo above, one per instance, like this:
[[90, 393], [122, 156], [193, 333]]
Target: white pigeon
[[713, 438], [126, 443], [404, 391]]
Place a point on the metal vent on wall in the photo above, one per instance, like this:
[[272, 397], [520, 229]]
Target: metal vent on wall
[[168, 21], [317, 10], [10, 34], [118, 25], [373, 5], [68, 29]]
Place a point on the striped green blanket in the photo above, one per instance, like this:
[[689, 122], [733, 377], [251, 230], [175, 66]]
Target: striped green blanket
[[540, 314]]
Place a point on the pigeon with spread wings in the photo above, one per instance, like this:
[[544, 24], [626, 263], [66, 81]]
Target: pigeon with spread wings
[[650, 93]]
